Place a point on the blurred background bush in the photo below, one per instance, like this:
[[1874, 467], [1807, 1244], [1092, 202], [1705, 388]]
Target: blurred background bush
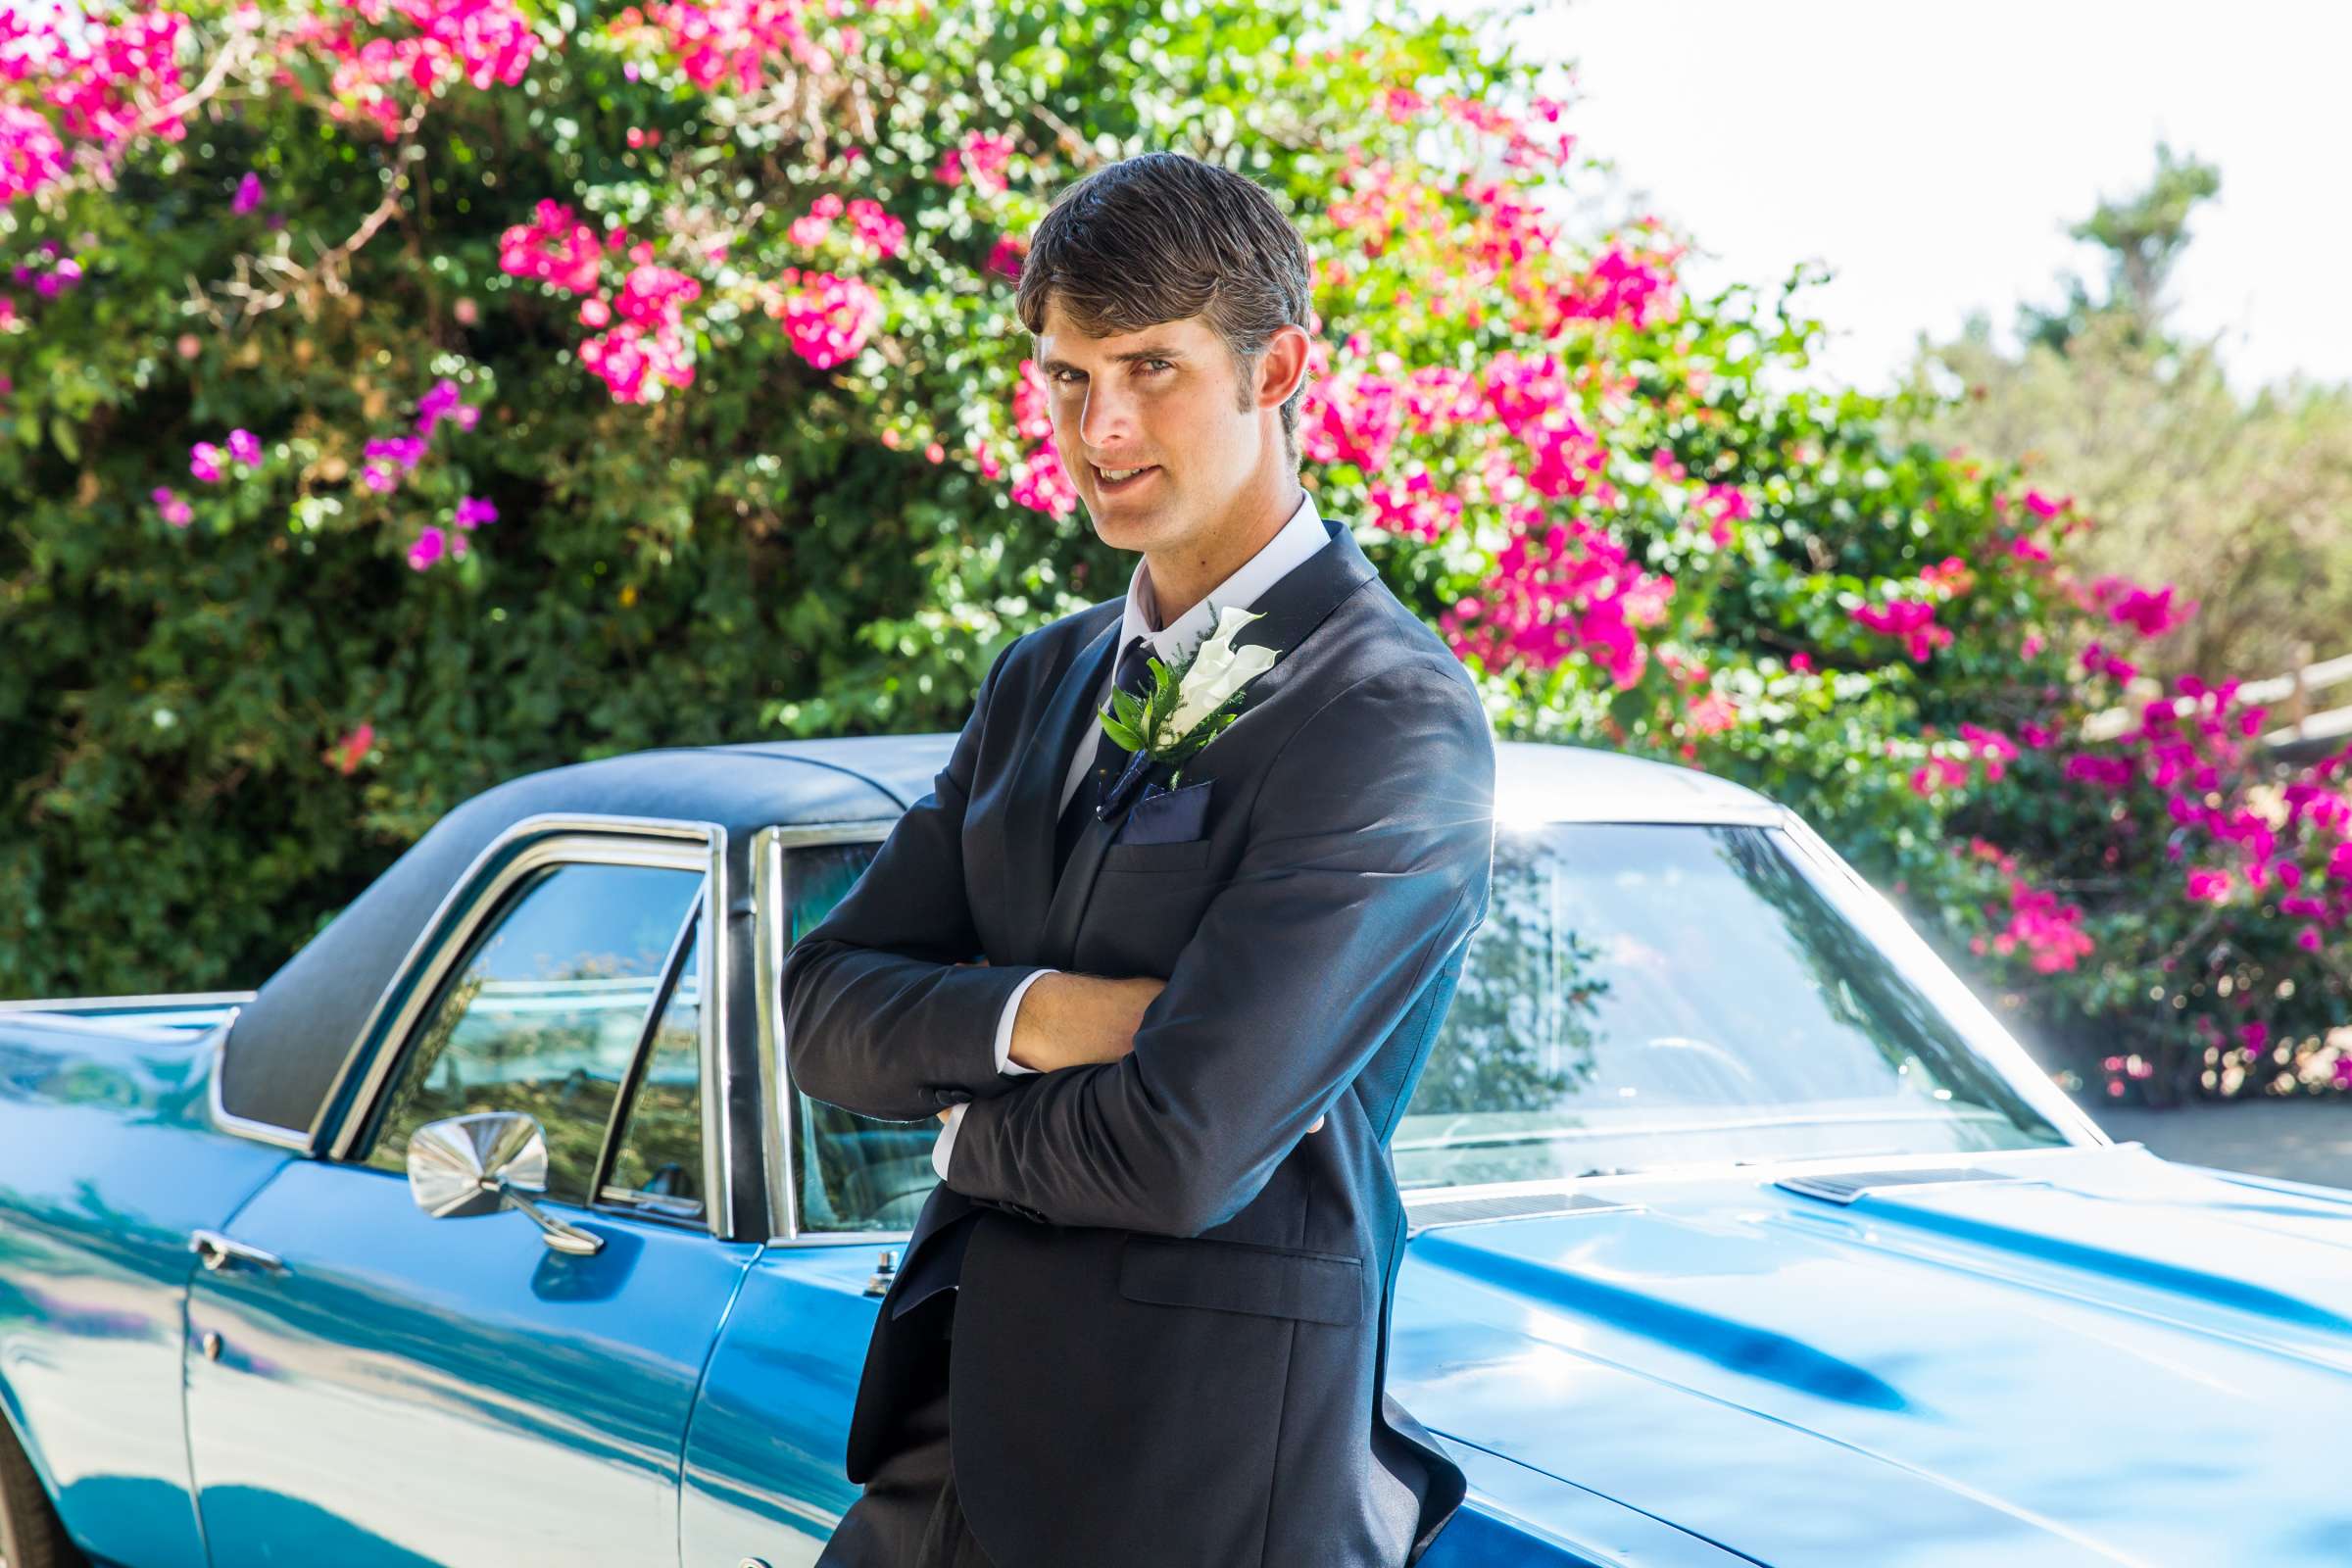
[[401, 395]]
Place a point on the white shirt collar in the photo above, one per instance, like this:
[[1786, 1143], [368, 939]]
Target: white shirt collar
[[1298, 539]]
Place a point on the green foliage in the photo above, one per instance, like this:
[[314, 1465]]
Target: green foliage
[[213, 735]]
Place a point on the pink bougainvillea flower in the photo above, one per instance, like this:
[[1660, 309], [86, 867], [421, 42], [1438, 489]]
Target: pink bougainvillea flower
[[175, 511], [554, 247], [1006, 255], [480, 42], [637, 365], [730, 44], [1560, 587], [1724, 504], [1039, 480], [205, 462], [812, 227], [249, 194], [1353, 418], [877, 231], [1910, 619], [472, 512], [2209, 886], [981, 154], [653, 297], [427, 548], [346, 753], [243, 447], [32, 156], [1710, 714], [2149, 613], [1416, 508], [442, 401], [826, 317]]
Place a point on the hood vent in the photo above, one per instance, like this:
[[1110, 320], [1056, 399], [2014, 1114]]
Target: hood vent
[[1843, 1187], [1504, 1206]]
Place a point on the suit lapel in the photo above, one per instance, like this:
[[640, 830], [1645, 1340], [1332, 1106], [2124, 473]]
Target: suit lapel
[[1045, 762], [1296, 605]]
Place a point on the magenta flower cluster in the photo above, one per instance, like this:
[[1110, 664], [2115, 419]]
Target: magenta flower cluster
[[210, 462], [104, 84], [433, 541], [731, 42], [873, 232]]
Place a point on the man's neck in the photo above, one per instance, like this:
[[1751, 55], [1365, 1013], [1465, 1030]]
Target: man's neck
[[1175, 585]]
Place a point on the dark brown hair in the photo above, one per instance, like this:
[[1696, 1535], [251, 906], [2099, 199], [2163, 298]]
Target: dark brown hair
[[1162, 236]]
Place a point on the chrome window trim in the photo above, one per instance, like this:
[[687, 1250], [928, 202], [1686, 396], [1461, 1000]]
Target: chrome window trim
[[191, 1000], [527, 846], [1987, 1037], [778, 1113], [260, 1132], [624, 1101]]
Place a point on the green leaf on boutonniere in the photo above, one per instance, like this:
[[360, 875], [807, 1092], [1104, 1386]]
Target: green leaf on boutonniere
[[1122, 734]]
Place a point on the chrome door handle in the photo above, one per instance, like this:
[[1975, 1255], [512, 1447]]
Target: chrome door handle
[[218, 1251]]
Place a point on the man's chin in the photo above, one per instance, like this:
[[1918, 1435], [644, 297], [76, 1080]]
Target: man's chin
[[1134, 528]]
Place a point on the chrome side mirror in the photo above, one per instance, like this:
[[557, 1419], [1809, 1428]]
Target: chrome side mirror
[[485, 1161]]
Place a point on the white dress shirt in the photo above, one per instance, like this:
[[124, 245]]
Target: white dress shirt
[[1298, 539]]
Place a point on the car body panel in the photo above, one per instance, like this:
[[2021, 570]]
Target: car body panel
[[2097, 1361], [483, 1375], [108, 1163]]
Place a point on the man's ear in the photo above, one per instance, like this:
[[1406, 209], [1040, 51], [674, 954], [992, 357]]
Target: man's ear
[[1281, 367]]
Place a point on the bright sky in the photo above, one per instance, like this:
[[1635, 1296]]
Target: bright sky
[[1932, 154]]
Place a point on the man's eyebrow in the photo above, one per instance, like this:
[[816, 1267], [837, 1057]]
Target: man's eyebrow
[[1150, 351]]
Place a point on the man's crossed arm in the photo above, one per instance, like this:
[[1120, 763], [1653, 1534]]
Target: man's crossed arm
[[1367, 863]]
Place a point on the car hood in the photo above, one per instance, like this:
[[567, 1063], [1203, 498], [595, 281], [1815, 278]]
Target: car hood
[[2094, 1357]]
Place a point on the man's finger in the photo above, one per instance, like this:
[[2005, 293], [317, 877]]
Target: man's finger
[[1318, 1126]]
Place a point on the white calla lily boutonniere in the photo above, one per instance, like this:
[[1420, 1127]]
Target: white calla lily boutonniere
[[1190, 705]]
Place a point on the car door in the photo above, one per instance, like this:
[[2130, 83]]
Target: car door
[[367, 1386], [764, 1467]]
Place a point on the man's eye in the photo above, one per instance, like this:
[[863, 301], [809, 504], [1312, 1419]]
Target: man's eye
[[1064, 377]]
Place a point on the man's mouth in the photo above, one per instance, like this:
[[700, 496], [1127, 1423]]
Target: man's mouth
[[1117, 482]]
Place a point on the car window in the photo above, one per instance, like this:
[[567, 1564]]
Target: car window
[[659, 1165], [1646, 995], [854, 1173], [544, 1013]]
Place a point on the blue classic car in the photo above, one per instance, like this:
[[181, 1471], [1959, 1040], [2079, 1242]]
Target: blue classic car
[[487, 1232]]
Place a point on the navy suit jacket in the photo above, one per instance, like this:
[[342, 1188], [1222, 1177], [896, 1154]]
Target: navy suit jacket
[[1172, 1329]]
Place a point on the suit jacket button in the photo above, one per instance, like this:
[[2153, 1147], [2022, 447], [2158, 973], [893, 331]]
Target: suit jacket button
[[950, 1096]]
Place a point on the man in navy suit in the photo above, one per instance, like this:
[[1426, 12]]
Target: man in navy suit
[[1143, 1321]]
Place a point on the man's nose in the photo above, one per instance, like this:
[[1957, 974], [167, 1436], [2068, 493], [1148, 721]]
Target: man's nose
[[1104, 421]]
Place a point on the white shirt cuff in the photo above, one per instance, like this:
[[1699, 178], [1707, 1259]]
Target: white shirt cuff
[[942, 1149], [945, 1147], [1012, 1006]]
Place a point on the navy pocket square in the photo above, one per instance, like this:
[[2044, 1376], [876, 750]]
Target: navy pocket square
[[1166, 816]]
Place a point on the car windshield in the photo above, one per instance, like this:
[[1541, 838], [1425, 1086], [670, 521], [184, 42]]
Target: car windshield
[[1650, 995]]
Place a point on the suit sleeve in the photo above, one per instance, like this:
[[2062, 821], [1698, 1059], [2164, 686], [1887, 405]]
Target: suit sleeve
[[945, 1145], [883, 1013], [1370, 850]]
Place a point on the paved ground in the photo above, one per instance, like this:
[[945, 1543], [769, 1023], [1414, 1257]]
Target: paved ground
[[2302, 1140]]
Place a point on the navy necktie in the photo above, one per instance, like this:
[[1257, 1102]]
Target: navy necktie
[[1134, 675]]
